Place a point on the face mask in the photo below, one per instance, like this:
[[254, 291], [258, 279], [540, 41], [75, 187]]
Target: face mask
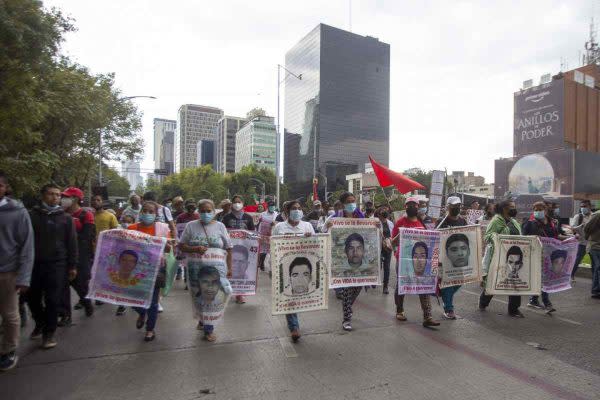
[[539, 215], [271, 209], [66, 202], [585, 210], [237, 206], [411, 212], [454, 211], [423, 210], [169, 205], [206, 217], [512, 213], [191, 209], [350, 207], [147, 219], [296, 215], [556, 211], [331, 212]]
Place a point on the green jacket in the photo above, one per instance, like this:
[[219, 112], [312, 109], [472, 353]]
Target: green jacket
[[499, 225]]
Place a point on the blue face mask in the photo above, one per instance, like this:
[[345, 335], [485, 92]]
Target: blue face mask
[[147, 219], [423, 210], [206, 217], [296, 215], [556, 211], [350, 207], [539, 215], [584, 210], [271, 209]]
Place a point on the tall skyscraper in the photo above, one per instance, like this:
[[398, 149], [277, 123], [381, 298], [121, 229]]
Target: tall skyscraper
[[164, 144], [194, 123], [225, 132], [255, 144], [130, 170], [338, 113], [205, 153]]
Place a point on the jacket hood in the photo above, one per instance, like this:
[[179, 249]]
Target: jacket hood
[[43, 210], [11, 205]]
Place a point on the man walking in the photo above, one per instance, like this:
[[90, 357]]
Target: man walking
[[578, 223], [16, 247], [592, 235]]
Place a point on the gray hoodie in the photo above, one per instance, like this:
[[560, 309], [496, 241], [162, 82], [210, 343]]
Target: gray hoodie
[[16, 241]]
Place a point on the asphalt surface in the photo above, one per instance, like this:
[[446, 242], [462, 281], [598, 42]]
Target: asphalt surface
[[482, 355]]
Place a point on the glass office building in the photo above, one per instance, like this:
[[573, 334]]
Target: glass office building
[[338, 113]]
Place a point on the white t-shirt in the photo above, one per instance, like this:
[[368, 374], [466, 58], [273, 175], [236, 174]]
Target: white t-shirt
[[211, 235], [284, 228]]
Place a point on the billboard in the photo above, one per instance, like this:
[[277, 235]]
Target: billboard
[[538, 118]]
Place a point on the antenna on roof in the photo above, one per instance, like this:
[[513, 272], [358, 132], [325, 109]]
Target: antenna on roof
[[592, 50]]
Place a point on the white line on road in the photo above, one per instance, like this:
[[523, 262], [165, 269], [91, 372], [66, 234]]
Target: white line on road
[[570, 321]]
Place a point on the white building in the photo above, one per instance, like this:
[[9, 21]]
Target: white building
[[130, 170], [255, 144], [194, 123], [225, 132], [164, 145]]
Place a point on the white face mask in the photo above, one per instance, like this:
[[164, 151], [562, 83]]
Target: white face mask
[[237, 206], [66, 202]]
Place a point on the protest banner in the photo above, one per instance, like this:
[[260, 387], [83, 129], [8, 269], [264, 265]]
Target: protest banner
[[208, 285], [474, 215], [264, 230], [255, 217], [125, 267], [300, 267], [558, 261], [460, 255], [418, 261], [515, 265], [180, 228], [355, 252], [244, 259]]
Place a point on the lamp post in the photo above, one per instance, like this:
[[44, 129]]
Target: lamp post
[[262, 185], [100, 137], [278, 137], [324, 181]]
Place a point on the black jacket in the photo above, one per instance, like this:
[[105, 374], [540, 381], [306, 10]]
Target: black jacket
[[55, 238]]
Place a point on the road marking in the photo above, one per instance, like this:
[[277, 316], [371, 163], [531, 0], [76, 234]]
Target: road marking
[[570, 321]]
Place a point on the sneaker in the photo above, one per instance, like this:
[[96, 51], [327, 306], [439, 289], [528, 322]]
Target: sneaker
[[64, 322], [120, 311], [517, 314], [89, 308], [595, 295], [535, 304], [210, 337], [186, 287], [150, 336], [37, 333], [429, 322], [49, 342], [295, 335], [139, 324], [160, 308], [240, 300], [347, 326], [401, 317], [449, 315], [8, 361], [385, 290], [550, 309]]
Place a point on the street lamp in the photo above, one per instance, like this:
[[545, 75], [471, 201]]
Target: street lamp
[[100, 137], [278, 137], [263, 187], [324, 181]]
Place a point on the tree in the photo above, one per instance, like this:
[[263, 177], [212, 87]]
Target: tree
[[117, 185], [419, 175], [255, 112]]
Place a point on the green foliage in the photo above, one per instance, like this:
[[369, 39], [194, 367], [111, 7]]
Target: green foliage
[[116, 184], [421, 176], [255, 112]]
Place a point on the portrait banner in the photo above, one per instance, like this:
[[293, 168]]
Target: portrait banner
[[255, 217], [474, 215], [515, 266], [355, 252], [264, 230], [208, 284], [558, 261], [180, 228], [460, 255], [244, 260], [125, 267], [418, 261], [300, 266]]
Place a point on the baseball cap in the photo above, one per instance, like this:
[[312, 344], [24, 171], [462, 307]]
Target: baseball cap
[[452, 200], [412, 199], [73, 192], [224, 202], [317, 203], [190, 201]]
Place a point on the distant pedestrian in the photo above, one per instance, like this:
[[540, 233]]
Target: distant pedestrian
[[592, 235], [578, 222], [133, 209]]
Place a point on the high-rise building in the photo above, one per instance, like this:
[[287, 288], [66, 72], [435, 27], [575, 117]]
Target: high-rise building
[[225, 132], [130, 170], [255, 144], [194, 123], [164, 144], [205, 153], [338, 113]]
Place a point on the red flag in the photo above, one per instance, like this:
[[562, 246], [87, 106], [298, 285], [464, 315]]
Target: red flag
[[387, 177]]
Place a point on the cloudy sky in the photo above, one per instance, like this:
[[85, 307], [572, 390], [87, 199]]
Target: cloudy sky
[[454, 64]]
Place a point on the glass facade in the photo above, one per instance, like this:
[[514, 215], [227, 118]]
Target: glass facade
[[255, 144], [194, 123], [338, 114], [225, 132]]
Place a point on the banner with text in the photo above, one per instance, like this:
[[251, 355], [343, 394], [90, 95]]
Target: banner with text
[[244, 259], [460, 255], [557, 263], [418, 261]]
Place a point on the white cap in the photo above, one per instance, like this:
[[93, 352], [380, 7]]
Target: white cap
[[452, 200], [413, 199]]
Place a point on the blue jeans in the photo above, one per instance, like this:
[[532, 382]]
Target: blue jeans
[[208, 329], [152, 312], [595, 255], [448, 297], [545, 299], [292, 321]]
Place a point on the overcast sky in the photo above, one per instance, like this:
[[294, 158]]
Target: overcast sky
[[454, 64]]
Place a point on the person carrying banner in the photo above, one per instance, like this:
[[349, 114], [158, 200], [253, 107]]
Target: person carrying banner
[[386, 245], [539, 224], [202, 234], [577, 224], [452, 219], [149, 225], [293, 226], [265, 224], [411, 220], [504, 222]]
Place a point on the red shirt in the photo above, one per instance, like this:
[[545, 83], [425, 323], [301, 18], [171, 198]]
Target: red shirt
[[185, 217], [88, 218]]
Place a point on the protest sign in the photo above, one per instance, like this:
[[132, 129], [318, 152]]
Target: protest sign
[[208, 285], [515, 266], [355, 252], [244, 258], [418, 261], [460, 255], [255, 217], [558, 260], [264, 230], [125, 267], [300, 267], [474, 215], [180, 228]]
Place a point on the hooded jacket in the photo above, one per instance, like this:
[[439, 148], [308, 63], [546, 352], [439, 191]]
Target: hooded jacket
[[55, 237], [16, 241]]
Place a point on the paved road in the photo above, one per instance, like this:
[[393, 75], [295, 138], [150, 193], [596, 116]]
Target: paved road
[[482, 355]]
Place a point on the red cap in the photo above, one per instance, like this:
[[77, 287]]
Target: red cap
[[73, 192]]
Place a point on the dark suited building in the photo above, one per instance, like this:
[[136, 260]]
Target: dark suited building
[[338, 113]]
